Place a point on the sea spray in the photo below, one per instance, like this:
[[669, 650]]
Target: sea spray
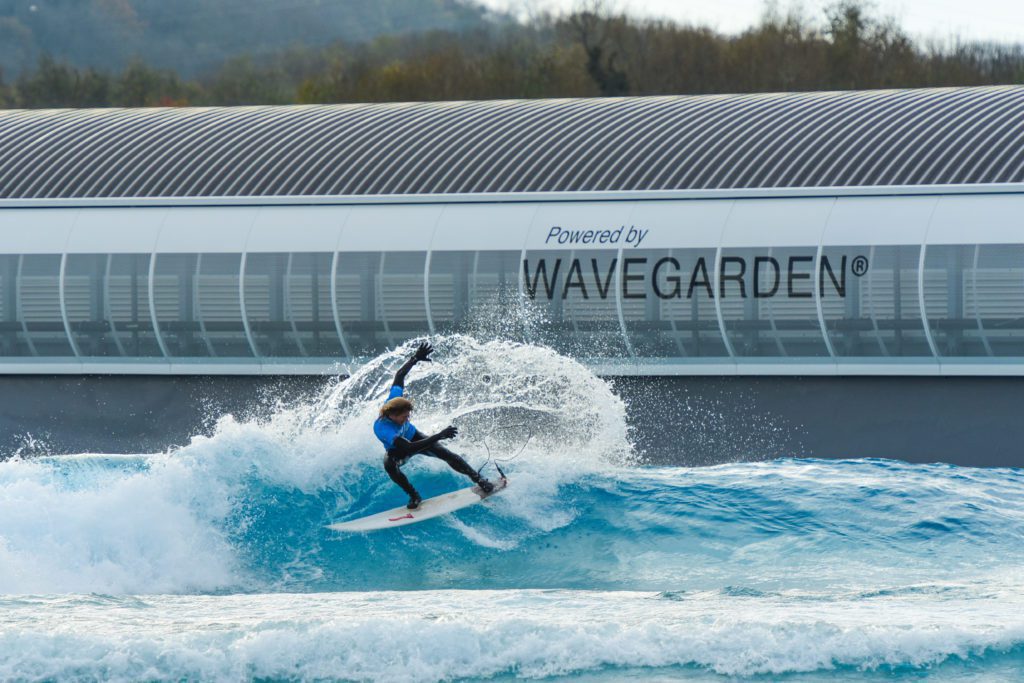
[[245, 507]]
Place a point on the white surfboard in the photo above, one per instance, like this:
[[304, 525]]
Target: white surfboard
[[428, 509]]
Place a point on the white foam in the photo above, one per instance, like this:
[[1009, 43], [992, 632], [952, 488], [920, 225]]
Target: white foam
[[442, 635], [137, 532]]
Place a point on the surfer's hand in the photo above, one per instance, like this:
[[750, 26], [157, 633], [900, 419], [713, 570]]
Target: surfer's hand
[[423, 352], [449, 432]]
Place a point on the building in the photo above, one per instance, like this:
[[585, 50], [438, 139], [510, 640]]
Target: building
[[872, 233]]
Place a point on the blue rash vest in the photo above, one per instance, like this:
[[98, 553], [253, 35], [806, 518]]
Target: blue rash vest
[[387, 431]]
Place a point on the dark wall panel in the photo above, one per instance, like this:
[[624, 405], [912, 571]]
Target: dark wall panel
[[676, 420]]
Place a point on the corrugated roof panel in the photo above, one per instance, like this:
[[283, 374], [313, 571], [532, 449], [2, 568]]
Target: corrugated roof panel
[[822, 139]]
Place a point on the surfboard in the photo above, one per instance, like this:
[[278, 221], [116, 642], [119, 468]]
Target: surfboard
[[428, 509]]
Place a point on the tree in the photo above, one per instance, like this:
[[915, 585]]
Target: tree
[[243, 81], [6, 93], [57, 84], [593, 28], [592, 51], [140, 85]]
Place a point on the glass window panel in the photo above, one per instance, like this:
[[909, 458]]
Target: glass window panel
[[450, 273], [218, 305], [543, 284], [128, 304], [12, 337], [39, 303], [955, 334], [577, 291], [355, 287], [174, 302], [993, 286], [495, 303], [676, 318], [877, 313], [476, 291], [266, 301], [401, 301], [768, 302], [86, 304], [974, 298], [307, 305]]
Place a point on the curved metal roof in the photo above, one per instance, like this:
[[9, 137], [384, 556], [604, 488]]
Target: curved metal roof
[[815, 139]]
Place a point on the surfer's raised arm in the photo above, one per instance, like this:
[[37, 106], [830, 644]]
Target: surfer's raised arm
[[422, 354]]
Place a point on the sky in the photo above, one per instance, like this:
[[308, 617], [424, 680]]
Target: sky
[[983, 20]]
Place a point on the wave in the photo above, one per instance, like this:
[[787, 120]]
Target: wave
[[446, 635], [245, 509]]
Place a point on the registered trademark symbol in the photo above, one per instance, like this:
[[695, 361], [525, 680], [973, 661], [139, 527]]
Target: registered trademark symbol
[[859, 265]]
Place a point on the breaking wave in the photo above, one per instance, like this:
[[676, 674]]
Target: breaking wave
[[599, 562]]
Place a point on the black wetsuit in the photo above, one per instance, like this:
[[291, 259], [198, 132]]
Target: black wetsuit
[[398, 456]]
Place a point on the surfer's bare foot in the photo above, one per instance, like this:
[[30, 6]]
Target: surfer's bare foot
[[414, 501], [485, 486]]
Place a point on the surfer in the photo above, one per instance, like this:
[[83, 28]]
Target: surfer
[[402, 440]]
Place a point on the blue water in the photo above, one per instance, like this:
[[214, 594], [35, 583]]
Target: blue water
[[211, 562]]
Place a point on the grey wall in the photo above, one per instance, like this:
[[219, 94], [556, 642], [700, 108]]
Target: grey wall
[[677, 420], [960, 420], [118, 414]]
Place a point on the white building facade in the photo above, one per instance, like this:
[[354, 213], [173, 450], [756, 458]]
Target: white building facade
[[872, 233]]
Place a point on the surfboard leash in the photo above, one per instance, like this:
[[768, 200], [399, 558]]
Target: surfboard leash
[[491, 459]]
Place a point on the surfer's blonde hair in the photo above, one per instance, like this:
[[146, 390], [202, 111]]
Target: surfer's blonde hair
[[399, 404]]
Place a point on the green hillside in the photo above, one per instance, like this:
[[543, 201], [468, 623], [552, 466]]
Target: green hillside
[[196, 36]]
